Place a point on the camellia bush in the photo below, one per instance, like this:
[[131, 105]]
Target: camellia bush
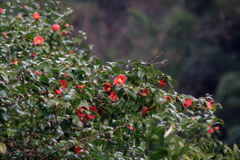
[[58, 101]]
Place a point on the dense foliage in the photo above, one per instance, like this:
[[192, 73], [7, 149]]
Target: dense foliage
[[58, 101]]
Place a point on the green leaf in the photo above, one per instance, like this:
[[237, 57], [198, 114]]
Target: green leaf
[[11, 132], [4, 76], [116, 70], [3, 148], [4, 116], [77, 122], [236, 151], [98, 62], [45, 79]]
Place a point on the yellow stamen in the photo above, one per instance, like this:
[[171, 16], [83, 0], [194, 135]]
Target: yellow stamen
[[120, 80]]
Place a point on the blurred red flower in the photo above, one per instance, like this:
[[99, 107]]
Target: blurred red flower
[[58, 92], [85, 116], [145, 110], [162, 82], [130, 127], [55, 27], [144, 93], [36, 16], [38, 40], [120, 79], [63, 83], [188, 102], [107, 87], [80, 150], [113, 95]]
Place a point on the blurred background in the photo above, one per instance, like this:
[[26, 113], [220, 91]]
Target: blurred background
[[199, 38]]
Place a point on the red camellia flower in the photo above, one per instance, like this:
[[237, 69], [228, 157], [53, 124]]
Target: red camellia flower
[[145, 110], [85, 116], [144, 93], [1, 10], [167, 97], [210, 104], [33, 54], [80, 150], [120, 79], [19, 16], [113, 95], [162, 82], [188, 102], [4, 34], [37, 73], [64, 33], [130, 127], [15, 61], [107, 87], [217, 128], [55, 27], [210, 130], [63, 83], [67, 25], [58, 92], [80, 86], [36, 16], [38, 40]]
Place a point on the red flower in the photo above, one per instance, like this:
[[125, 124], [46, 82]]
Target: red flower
[[113, 95], [80, 150], [162, 82], [85, 116], [64, 75], [55, 27], [107, 87], [217, 128], [26, 7], [36, 16], [67, 25], [19, 16], [58, 92], [4, 34], [144, 93], [210, 104], [1, 10], [93, 108], [80, 86], [145, 110], [188, 102], [33, 54], [167, 97], [64, 33], [210, 130], [130, 127], [120, 79], [15, 61], [38, 40], [63, 83], [37, 73]]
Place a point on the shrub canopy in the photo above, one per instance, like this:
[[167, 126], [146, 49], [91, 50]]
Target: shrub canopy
[[58, 101]]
